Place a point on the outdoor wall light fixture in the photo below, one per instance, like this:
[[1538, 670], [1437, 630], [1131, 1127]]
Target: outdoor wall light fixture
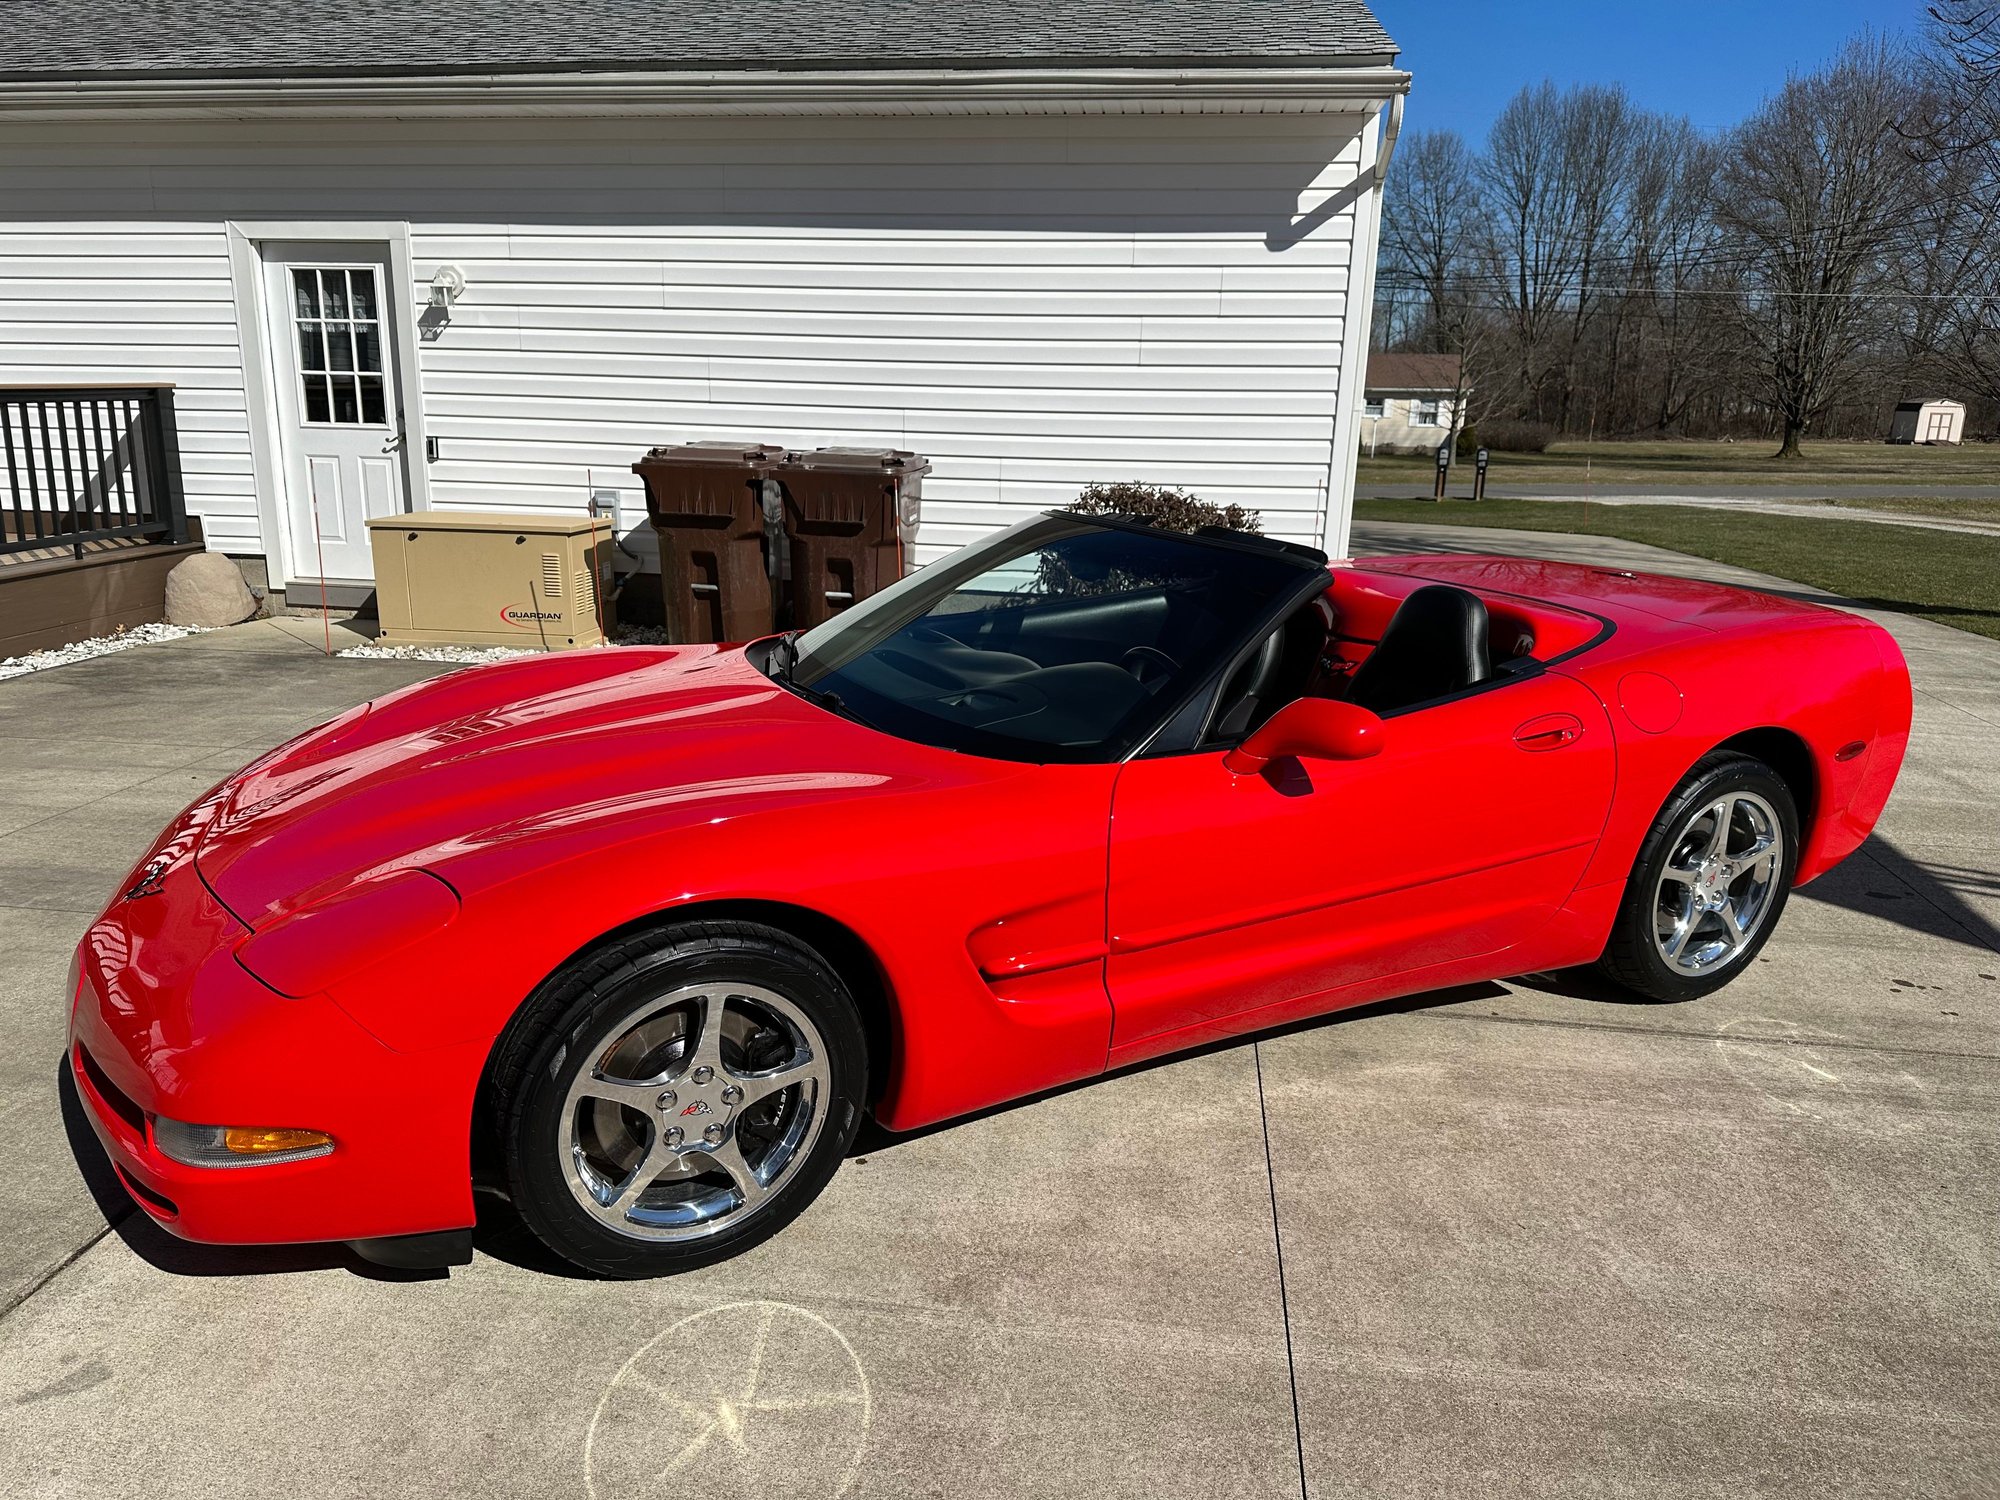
[[447, 286]]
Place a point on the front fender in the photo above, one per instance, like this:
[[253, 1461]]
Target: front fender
[[980, 900]]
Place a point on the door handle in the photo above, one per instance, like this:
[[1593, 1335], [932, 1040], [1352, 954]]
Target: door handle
[[1549, 732], [395, 444]]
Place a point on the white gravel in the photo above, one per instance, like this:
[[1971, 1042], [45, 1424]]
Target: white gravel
[[147, 635], [103, 645], [467, 656], [638, 635]]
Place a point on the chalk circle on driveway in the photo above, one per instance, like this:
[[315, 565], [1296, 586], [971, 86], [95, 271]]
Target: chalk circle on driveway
[[749, 1399]]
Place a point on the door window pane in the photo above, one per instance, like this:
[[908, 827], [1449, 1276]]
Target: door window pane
[[338, 315], [346, 405]]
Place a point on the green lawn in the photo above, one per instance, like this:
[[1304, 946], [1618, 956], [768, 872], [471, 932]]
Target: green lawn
[[1712, 463], [1950, 577], [1941, 506]]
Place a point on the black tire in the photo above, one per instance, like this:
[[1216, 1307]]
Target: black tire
[[1633, 958], [583, 1011]]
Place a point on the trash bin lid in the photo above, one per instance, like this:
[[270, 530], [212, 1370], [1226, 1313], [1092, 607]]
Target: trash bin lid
[[759, 456], [894, 462]]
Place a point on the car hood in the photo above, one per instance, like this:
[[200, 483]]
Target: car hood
[[468, 761]]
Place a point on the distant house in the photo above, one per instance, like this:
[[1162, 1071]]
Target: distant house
[[1411, 403], [397, 257], [1937, 420]]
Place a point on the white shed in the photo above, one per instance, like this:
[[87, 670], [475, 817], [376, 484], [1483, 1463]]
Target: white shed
[[1044, 244], [1938, 420]]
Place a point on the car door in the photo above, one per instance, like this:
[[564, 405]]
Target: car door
[[1229, 894]]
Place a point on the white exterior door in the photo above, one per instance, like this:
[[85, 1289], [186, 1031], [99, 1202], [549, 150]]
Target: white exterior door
[[332, 336]]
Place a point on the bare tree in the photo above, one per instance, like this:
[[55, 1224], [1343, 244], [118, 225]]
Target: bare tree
[[1432, 230], [1534, 253], [1815, 195], [1601, 134], [1600, 268], [1557, 166], [1969, 31], [1957, 321]]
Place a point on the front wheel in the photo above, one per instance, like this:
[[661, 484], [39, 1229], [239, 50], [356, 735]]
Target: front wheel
[[1710, 882], [678, 1097]]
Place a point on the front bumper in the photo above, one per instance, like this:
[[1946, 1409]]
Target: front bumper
[[164, 1021]]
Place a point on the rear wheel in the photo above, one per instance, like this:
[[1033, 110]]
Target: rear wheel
[[679, 1097], [1711, 880]]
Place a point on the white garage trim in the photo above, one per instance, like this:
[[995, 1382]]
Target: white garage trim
[[1287, 90], [1360, 314], [246, 277]]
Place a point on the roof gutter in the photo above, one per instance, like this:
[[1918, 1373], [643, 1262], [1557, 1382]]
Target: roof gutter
[[1332, 89]]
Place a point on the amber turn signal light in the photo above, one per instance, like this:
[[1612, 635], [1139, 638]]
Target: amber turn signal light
[[236, 1145], [247, 1140]]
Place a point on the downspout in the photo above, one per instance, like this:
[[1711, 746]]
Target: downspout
[[1392, 128], [1335, 537]]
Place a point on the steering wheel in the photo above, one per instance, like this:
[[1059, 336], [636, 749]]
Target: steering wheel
[[1140, 660]]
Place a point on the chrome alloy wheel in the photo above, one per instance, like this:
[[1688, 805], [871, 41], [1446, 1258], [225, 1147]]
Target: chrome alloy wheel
[[1719, 884], [699, 1107]]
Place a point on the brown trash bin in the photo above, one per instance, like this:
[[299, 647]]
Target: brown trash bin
[[706, 502], [851, 515]]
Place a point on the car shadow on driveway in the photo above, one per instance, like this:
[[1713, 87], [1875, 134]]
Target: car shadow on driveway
[[1933, 899]]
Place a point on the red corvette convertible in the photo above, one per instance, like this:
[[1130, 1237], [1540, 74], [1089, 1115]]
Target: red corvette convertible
[[637, 936]]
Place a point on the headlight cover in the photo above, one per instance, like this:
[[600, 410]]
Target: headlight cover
[[307, 952]]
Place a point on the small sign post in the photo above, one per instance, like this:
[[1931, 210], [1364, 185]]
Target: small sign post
[[1479, 475], [1444, 469]]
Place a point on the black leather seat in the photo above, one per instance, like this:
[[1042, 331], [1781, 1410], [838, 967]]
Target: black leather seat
[[1435, 644], [1278, 672]]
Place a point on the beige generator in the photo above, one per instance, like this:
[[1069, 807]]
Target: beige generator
[[491, 578]]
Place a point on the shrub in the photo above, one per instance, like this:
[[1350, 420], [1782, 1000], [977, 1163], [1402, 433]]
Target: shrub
[[1169, 509], [1468, 443], [1518, 437]]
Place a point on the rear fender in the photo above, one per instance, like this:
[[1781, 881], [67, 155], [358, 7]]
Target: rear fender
[[1832, 684]]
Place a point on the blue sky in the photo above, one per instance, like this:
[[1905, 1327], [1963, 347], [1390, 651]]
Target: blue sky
[[1703, 58]]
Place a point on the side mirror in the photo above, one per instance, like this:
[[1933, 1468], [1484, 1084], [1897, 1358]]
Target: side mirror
[[1314, 728]]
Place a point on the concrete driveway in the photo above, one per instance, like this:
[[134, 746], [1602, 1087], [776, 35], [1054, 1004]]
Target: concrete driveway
[[1518, 1240]]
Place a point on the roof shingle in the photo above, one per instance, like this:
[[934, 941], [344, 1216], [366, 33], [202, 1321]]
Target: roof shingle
[[107, 39], [1412, 372]]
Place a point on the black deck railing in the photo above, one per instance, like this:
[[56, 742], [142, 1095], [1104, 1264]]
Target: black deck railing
[[83, 464]]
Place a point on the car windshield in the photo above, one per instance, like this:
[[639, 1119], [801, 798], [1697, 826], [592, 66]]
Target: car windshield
[[1063, 639]]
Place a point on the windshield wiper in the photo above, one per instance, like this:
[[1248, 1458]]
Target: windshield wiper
[[830, 701], [784, 661], [784, 657]]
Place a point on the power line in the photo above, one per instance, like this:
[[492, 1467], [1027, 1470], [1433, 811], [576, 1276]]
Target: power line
[[1596, 288]]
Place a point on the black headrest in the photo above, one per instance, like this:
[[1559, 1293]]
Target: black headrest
[[1435, 645]]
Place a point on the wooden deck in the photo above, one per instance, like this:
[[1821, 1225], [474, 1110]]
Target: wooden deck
[[50, 597]]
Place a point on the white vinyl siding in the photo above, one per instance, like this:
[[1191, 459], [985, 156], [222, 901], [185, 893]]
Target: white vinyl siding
[[133, 301], [1032, 302]]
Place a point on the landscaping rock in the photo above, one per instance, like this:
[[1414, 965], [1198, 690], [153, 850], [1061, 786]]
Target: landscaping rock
[[208, 590]]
